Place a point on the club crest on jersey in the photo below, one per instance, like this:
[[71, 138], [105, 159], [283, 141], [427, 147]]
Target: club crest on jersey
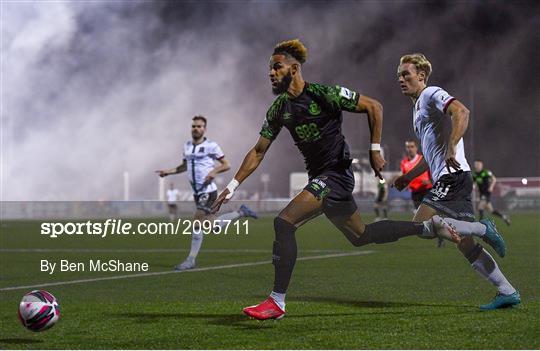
[[314, 109], [286, 116], [201, 149]]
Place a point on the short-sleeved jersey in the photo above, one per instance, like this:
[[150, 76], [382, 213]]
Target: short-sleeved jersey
[[420, 183], [433, 128], [314, 121], [483, 180], [200, 159]]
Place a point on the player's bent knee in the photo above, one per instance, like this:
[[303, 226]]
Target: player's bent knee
[[466, 245], [283, 224], [284, 249], [473, 253]]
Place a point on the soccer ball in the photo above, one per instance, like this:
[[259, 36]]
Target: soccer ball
[[39, 310]]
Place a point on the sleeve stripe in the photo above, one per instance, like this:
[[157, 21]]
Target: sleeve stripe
[[448, 104], [435, 92], [220, 157]]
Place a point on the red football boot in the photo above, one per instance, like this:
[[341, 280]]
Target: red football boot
[[268, 309]]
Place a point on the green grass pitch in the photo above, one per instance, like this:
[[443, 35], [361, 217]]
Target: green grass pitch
[[404, 295]]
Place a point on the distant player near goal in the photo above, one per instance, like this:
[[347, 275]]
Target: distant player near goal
[[199, 157], [440, 121], [172, 198], [313, 115], [484, 181]]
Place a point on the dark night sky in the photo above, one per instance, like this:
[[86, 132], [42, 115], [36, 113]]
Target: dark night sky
[[99, 88]]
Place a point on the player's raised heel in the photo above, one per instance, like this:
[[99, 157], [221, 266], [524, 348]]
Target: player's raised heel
[[502, 301], [268, 309], [493, 238]]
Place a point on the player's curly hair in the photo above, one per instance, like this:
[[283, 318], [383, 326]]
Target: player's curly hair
[[293, 48], [419, 61]]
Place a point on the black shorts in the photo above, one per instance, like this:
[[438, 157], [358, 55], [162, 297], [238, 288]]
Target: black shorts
[[172, 207], [485, 197], [418, 196], [451, 196], [204, 201], [334, 187], [380, 197]]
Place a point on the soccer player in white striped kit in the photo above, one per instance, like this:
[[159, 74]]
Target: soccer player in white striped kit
[[440, 121], [199, 157]]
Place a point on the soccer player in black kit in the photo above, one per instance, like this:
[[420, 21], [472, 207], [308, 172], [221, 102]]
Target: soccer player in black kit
[[484, 181], [313, 114]]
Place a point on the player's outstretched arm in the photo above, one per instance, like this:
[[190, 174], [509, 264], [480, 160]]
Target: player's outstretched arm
[[165, 172], [223, 166], [374, 111], [403, 181], [460, 121], [252, 160]]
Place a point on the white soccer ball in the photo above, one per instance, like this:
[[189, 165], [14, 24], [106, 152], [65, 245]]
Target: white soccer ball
[[39, 310]]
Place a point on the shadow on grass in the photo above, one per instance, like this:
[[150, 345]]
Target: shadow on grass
[[222, 319], [19, 341], [241, 321], [237, 320], [374, 304]]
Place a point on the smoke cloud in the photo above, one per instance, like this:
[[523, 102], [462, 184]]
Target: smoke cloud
[[93, 89]]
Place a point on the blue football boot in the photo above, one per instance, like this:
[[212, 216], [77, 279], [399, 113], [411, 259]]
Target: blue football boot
[[247, 212], [493, 238], [502, 301]]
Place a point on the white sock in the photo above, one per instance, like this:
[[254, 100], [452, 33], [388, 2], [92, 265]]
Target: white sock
[[486, 266], [467, 228], [196, 242], [231, 216], [279, 299]]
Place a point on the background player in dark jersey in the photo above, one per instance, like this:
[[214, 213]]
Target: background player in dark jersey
[[381, 201], [313, 114], [484, 181]]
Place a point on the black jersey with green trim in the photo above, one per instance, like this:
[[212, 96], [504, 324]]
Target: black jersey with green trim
[[483, 180], [314, 120]]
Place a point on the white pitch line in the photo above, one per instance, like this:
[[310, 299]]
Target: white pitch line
[[236, 265], [157, 250]]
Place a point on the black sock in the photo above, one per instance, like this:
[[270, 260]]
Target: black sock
[[497, 213], [385, 212], [388, 231], [473, 254], [284, 254], [377, 212], [481, 212]]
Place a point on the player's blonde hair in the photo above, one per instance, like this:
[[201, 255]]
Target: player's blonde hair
[[419, 61], [293, 48]]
